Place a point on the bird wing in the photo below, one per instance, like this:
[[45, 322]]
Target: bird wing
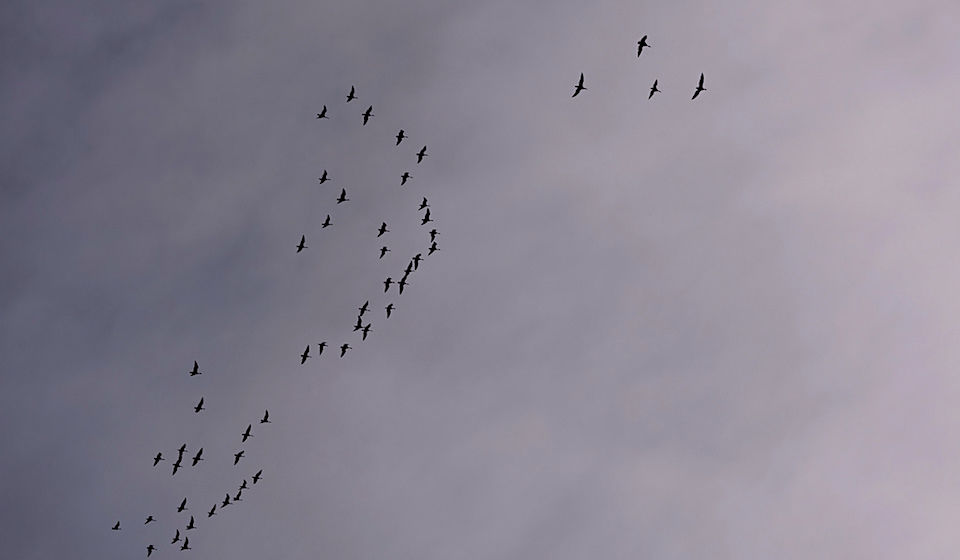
[[701, 80]]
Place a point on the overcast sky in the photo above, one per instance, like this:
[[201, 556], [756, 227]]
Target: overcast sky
[[721, 328]]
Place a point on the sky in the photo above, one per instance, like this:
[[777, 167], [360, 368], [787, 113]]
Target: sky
[[657, 328]]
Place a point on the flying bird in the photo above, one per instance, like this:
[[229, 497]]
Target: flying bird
[[400, 137], [642, 43], [384, 250], [323, 178], [149, 519], [343, 196], [195, 370], [366, 330], [426, 218], [322, 345], [422, 154], [580, 87], [403, 282], [190, 525], [182, 506], [302, 245], [326, 223], [699, 87], [389, 309], [116, 526], [386, 284], [176, 538], [416, 260], [323, 113], [181, 451], [305, 355], [226, 501], [383, 229], [237, 456], [358, 325], [266, 417], [433, 234], [237, 497], [351, 96], [403, 178], [157, 459], [256, 477], [367, 114], [150, 550], [213, 511], [197, 458], [409, 269], [186, 544], [433, 248], [246, 434], [343, 350], [363, 308], [199, 406], [176, 467], [423, 204], [244, 485]]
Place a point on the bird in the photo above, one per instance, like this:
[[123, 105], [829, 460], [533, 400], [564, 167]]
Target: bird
[[343, 196], [383, 229], [197, 458], [213, 511], [343, 350], [182, 506], [244, 485], [157, 459], [237, 456], [363, 308], [181, 451], [358, 325], [150, 550], [323, 178], [176, 466], [422, 154], [226, 501], [367, 114], [190, 525], [149, 519], [386, 284], [699, 87], [302, 245], [423, 204], [653, 89], [305, 355], [433, 248], [579, 87], [323, 113], [326, 223], [237, 497], [322, 345], [366, 329], [403, 282], [416, 260], [642, 43], [246, 434], [256, 477], [384, 250], [409, 268], [426, 218], [400, 137], [195, 370], [403, 178], [116, 526], [186, 544], [433, 234], [389, 309], [351, 96], [176, 538], [199, 406], [266, 417]]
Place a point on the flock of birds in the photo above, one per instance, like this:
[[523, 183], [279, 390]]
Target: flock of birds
[[181, 539], [641, 44]]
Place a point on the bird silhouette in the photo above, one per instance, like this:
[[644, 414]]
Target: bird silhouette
[[358, 325], [326, 223], [190, 525], [363, 308], [383, 229], [433, 248], [343, 196], [305, 355], [226, 501], [389, 309], [197, 458], [579, 87], [157, 459], [176, 467], [384, 250], [386, 284], [302, 245], [343, 350], [116, 526], [246, 434], [699, 87], [322, 345], [186, 544], [422, 154], [416, 260], [176, 538], [213, 511], [256, 477], [423, 204], [426, 218], [403, 178], [653, 89], [181, 451], [244, 485], [150, 550], [367, 114], [149, 519], [323, 178], [400, 137], [409, 268], [323, 113], [351, 96], [266, 417], [237, 497], [366, 330], [403, 282], [182, 506], [237, 456], [199, 406], [195, 370], [433, 234], [642, 43]]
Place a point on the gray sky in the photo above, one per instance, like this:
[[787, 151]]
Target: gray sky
[[717, 328]]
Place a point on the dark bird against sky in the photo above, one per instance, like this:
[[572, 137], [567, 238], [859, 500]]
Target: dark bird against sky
[[352, 95], [305, 355], [699, 88], [579, 87], [199, 406], [195, 370], [653, 89], [303, 243], [642, 43], [403, 178], [323, 113], [422, 154], [367, 114], [400, 137], [197, 458]]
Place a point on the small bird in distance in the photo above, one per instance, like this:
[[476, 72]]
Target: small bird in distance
[[579, 87]]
